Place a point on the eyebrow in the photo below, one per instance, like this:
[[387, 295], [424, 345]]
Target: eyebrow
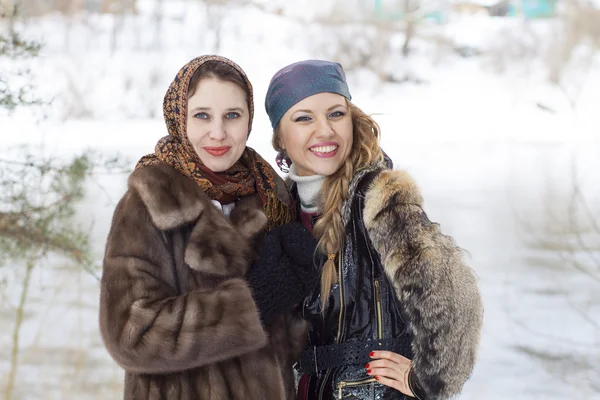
[[239, 109], [329, 109], [305, 111], [336, 106]]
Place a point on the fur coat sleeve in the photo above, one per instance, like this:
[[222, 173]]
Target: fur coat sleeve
[[151, 319], [437, 290]]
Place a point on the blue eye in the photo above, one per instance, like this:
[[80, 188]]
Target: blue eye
[[302, 118], [337, 114], [201, 115], [232, 115]]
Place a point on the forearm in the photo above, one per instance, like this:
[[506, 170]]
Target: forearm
[[440, 296], [446, 327], [178, 333]]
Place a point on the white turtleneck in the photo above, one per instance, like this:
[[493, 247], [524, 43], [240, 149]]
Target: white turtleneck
[[309, 188]]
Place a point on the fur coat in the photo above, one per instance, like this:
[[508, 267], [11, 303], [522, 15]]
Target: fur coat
[[175, 311], [401, 280], [437, 289]]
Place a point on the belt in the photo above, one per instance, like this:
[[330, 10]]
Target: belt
[[316, 358]]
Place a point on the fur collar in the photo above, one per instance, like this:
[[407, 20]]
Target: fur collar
[[386, 184], [174, 201], [393, 187], [353, 186]]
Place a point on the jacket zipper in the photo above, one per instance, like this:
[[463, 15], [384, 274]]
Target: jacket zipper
[[342, 385], [340, 325], [378, 301]]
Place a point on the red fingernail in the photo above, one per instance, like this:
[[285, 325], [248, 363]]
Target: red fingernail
[[376, 378], [371, 354], [368, 371], [367, 366]]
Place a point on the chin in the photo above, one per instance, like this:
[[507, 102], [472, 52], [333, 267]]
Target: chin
[[326, 170], [219, 166]]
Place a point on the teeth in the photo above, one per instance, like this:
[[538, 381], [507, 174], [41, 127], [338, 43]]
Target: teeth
[[323, 149]]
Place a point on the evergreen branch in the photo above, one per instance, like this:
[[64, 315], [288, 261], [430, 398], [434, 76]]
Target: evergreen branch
[[15, 47], [66, 242], [96, 165]]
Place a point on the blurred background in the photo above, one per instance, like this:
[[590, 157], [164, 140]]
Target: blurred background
[[493, 106]]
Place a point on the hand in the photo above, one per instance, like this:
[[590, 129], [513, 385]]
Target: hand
[[391, 369]]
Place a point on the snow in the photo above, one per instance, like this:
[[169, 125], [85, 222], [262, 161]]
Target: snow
[[495, 156]]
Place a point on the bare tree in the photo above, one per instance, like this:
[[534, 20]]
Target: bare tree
[[579, 25], [38, 195], [568, 233], [360, 36]]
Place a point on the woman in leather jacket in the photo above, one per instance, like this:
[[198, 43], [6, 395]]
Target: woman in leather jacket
[[398, 313]]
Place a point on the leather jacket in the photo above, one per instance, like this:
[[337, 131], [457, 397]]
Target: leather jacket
[[362, 305]]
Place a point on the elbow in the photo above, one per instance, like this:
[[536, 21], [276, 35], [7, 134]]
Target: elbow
[[119, 351], [125, 361], [136, 359], [124, 345]]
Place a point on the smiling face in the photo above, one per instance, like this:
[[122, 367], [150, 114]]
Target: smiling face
[[217, 123], [316, 134]]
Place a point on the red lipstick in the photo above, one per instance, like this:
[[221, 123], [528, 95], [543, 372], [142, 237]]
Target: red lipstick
[[217, 151]]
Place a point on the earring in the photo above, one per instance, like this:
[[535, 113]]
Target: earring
[[283, 162]]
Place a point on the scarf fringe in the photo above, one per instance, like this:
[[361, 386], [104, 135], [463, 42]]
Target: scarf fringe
[[278, 213]]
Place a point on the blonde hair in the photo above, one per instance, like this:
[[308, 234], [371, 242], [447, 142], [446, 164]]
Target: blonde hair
[[329, 229]]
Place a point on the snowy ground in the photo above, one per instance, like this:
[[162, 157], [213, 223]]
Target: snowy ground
[[495, 168]]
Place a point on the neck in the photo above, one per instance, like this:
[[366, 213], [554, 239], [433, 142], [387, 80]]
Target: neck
[[309, 188]]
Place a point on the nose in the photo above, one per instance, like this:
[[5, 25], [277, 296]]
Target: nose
[[217, 131], [324, 129]]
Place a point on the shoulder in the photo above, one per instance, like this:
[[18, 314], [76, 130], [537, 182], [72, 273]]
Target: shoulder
[[170, 198], [390, 189]]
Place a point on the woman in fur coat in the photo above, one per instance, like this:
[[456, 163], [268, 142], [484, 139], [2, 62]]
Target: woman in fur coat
[[398, 313], [195, 299]]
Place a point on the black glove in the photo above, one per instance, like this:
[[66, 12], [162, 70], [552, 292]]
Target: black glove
[[285, 271], [415, 386]]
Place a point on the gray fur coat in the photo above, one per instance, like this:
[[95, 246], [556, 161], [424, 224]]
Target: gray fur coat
[[437, 289]]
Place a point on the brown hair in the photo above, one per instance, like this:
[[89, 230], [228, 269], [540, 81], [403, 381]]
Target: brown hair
[[329, 229]]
